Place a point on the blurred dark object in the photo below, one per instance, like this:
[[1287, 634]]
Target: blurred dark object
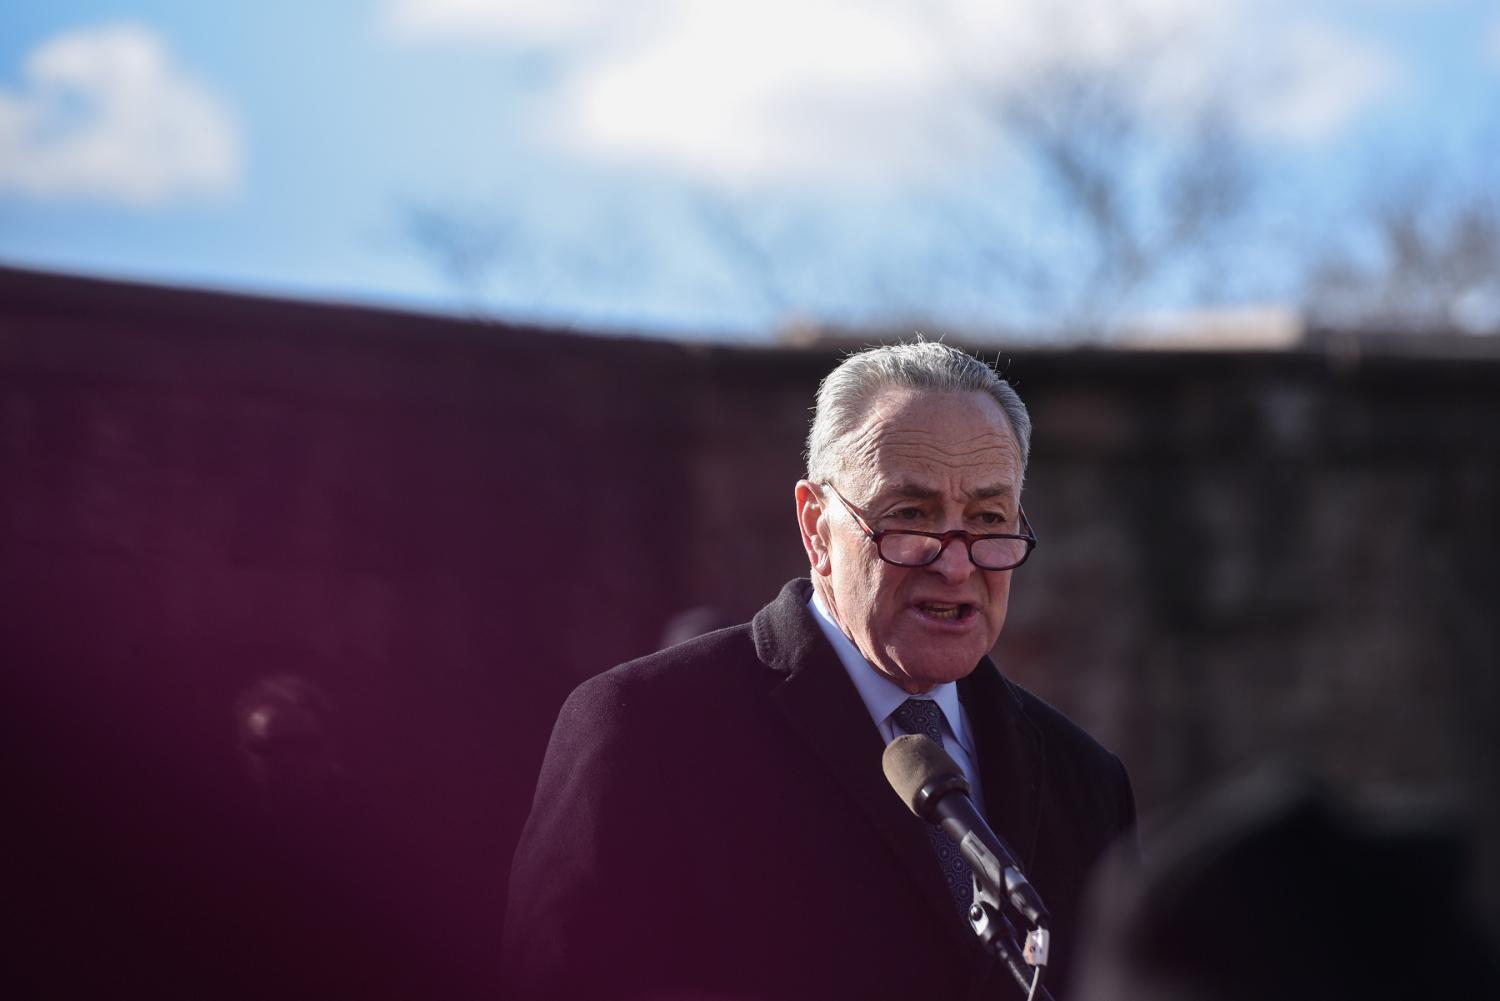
[[335, 897], [315, 870], [1273, 888], [139, 872], [285, 744], [287, 747]]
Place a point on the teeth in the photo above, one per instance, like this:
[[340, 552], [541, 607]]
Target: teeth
[[948, 612]]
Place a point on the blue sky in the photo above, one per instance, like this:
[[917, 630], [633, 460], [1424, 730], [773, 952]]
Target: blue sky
[[591, 150]]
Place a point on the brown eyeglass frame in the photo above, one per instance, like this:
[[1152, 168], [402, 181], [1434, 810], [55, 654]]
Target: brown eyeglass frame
[[943, 538]]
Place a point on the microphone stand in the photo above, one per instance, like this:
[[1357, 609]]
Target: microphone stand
[[999, 936]]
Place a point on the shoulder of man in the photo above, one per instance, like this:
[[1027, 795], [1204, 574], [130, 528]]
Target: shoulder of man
[[755, 654], [699, 661]]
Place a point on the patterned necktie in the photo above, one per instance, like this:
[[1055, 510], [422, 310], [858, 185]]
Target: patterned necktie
[[924, 717]]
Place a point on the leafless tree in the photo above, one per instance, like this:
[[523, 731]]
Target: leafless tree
[[1425, 258], [465, 247], [495, 254], [1099, 200], [1137, 199]]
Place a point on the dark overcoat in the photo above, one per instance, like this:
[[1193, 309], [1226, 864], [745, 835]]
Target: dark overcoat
[[712, 821]]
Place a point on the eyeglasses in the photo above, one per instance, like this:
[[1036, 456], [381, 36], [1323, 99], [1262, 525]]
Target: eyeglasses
[[904, 548]]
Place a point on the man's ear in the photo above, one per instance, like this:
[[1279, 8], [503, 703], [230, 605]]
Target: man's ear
[[812, 519]]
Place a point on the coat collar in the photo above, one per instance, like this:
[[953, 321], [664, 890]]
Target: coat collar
[[820, 704]]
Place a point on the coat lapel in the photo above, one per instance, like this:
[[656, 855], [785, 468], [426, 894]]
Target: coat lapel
[[821, 705], [1011, 758]]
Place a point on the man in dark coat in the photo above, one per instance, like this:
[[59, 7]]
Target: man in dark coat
[[713, 821]]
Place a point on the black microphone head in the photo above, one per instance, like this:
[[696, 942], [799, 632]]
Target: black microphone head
[[920, 771]]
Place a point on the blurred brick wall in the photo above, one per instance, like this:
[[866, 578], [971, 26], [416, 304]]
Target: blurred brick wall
[[449, 524]]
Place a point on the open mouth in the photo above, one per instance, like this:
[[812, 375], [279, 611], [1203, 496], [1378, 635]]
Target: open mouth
[[945, 612]]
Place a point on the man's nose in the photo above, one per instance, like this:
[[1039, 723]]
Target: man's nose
[[953, 561]]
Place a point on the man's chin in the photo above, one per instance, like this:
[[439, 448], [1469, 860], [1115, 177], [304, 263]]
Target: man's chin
[[923, 676]]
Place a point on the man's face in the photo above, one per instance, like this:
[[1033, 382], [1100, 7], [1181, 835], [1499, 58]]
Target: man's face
[[932, 462]]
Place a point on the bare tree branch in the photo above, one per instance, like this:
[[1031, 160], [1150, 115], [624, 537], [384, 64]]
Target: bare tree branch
[[1430, 263]]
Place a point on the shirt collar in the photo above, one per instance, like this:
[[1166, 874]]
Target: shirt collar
[[880, 694]]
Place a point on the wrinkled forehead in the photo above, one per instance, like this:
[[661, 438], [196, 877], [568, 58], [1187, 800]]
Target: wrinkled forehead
[[942, 438]]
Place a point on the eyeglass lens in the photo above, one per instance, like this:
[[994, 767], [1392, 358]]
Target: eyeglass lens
[[919, 550]]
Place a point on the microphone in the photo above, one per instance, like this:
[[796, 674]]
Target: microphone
[[933, 785]]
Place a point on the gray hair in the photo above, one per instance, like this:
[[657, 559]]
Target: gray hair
[[844, 395]]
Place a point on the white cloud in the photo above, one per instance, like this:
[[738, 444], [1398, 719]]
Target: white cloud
[[734, 90], [527, 22], [1316, 79], [104, 114], [740, 92]]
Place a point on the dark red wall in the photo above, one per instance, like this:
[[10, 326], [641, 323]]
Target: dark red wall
[[449, 524]]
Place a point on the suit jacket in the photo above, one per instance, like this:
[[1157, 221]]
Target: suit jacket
[[713, 821]]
